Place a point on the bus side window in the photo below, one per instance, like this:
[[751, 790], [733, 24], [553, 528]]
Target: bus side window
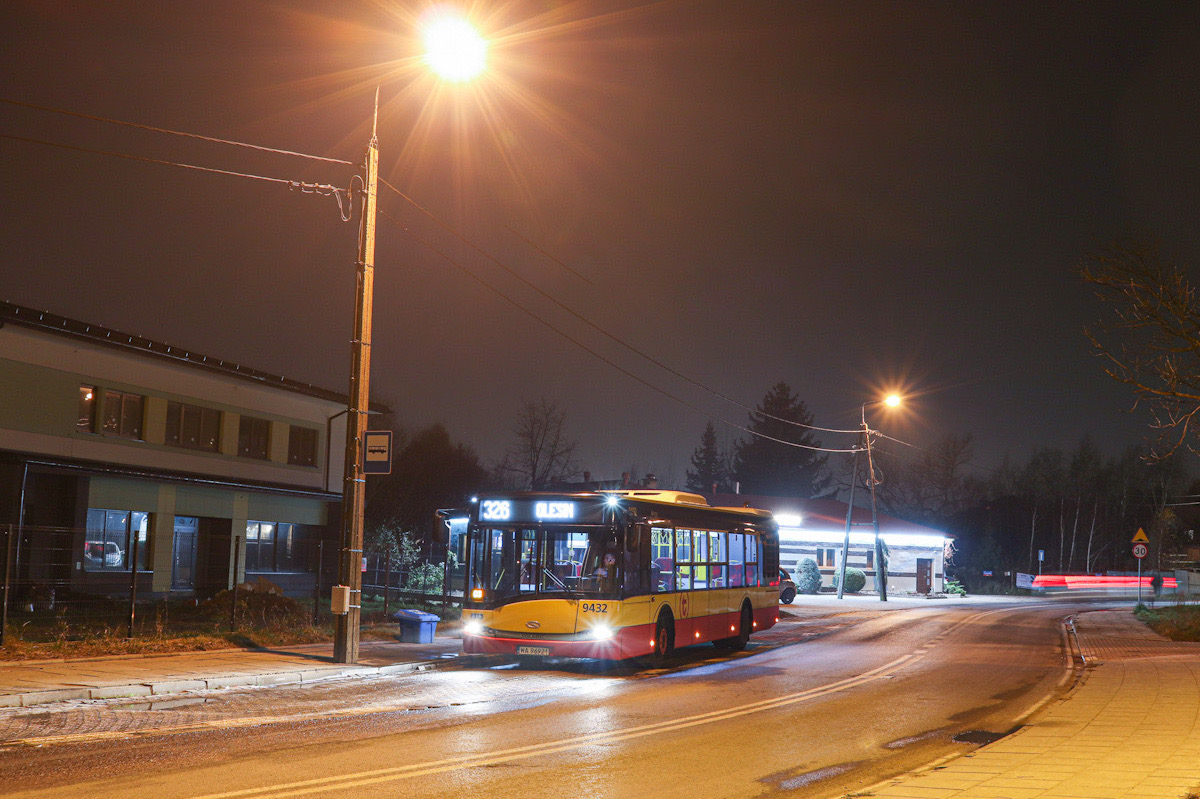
[[683, 560], [717, 558], [737, 558], [637, 560], [662, 561], [753, 575]]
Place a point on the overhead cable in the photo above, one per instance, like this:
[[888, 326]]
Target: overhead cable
[[591, 351], [153, 129], [599, 329], [323, 189]]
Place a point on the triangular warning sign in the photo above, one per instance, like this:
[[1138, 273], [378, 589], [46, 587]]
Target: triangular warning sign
[[1140, 537]]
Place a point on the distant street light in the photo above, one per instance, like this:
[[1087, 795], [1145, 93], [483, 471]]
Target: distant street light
[[456, 53], [892, 401]]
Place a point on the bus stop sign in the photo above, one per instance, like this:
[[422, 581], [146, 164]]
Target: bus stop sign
[[377, 452]]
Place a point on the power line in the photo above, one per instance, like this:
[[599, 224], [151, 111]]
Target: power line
[[534, 246], [175, 132], [596, 327], [324, 189], [591, 351]]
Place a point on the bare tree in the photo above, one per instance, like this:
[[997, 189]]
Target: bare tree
[[935, 485], [1149, 338], [543, 454]]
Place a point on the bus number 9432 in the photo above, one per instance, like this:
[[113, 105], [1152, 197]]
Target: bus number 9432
[[594, 607]]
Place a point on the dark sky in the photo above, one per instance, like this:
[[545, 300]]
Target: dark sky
[[847, 196]]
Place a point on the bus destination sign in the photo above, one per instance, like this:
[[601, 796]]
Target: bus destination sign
[[495, 509]]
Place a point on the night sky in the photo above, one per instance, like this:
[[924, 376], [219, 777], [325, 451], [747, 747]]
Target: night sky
[[846, 196]]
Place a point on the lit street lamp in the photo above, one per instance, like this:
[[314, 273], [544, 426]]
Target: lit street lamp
[[456, 53], [892, 400]]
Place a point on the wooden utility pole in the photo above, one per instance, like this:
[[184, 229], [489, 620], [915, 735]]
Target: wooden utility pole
[[346, 634]]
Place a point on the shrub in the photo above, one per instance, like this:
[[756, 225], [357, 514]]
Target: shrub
[[808, 576], [855, 580], [257, 608], [955, 588]]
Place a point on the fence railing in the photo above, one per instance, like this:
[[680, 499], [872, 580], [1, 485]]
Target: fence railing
[[425, 581], [59, 583]]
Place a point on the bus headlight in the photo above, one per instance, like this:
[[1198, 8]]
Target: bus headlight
[[472, 627], [602, 632]]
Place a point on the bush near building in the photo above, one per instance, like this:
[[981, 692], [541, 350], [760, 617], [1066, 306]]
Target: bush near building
[[855, 580], [808, 576]]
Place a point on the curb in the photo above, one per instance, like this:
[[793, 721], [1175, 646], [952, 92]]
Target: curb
[[169, 687]]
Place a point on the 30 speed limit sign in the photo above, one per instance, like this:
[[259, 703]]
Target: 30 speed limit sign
[[1140, 551]]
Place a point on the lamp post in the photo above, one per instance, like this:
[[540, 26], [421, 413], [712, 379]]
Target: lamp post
[[892, 400], [456, 53]]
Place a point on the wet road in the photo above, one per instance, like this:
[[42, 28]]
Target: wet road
[[878, 693]]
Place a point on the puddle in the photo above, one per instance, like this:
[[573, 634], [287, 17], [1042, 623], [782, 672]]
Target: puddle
[[903, 742], [791, 783], [170, 704], [981, 737]]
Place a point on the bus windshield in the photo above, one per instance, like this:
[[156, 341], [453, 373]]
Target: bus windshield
[[511, 563]]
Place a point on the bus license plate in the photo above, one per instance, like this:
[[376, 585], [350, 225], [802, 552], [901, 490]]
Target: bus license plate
[[533, 650]]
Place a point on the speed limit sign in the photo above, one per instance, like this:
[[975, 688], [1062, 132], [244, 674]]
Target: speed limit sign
[[1140, 551]]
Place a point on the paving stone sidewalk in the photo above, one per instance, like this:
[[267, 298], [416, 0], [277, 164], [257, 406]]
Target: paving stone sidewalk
[[1130, 731], [27, 683]]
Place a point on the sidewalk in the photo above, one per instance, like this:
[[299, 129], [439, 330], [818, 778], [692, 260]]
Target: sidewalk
[[1131, 730], [35, 682]]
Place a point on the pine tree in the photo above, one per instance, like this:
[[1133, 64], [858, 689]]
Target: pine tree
[[768, 467], [708, 465]]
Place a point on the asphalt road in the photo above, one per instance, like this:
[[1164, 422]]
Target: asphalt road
[[831, 714]]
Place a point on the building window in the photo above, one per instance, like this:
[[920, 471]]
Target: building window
[[122, 414], [87, 410], [276, 547], [111, 537], [254, 438], [193, 427], [302, 446], [827, 558]]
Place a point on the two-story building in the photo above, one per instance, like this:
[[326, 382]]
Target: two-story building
[[124, 458]]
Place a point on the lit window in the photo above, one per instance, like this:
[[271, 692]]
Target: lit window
[[111, 537], [86, 422]]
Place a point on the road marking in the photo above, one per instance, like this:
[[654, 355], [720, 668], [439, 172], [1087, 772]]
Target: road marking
[[259, 721], [376, 776]]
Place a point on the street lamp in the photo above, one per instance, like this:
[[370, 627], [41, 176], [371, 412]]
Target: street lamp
[[456, 53], [892, 401]]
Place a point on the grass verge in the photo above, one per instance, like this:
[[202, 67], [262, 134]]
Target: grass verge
[[1177, 622]]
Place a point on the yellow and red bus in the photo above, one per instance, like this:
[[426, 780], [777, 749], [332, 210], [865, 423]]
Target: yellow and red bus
[[615, 574]]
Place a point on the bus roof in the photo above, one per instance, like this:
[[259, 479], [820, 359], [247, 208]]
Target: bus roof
[[684, 498]]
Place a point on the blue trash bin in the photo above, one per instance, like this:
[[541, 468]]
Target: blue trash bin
[[416, 626]]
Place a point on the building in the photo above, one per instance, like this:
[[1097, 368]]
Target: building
[[816, 528], [128, 461]]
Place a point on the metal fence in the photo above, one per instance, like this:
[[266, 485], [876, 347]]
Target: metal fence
[[430, 581], [70, 584]]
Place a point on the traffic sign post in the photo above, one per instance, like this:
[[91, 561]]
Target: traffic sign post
[[1140, 551]]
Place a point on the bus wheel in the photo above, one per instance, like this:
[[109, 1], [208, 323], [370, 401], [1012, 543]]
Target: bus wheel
[[664, 640], [738, 642]]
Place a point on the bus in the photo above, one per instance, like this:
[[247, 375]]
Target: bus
[[615, 574]]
